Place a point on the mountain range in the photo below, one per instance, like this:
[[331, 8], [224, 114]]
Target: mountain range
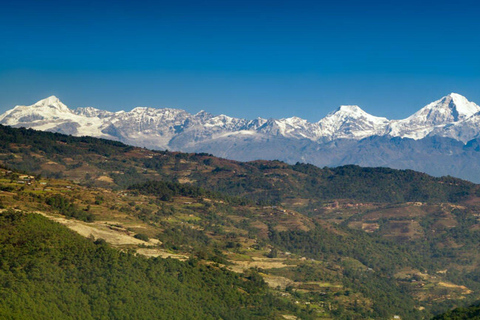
[[441, 138]]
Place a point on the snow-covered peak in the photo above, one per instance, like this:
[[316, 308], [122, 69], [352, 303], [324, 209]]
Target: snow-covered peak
[[294, 120], [353, 109], [293, 123], [293, 127], [51, 102], [51, 114], [202, 114], [451, 108], [49, 108], [48, 101], [351, 122], [463, 106], [352, 112], [139, 110], [448, 110]]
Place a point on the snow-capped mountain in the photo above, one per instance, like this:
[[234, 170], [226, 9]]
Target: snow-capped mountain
[[51, 114], [142, 126], [438, 117], [451, 116], [351, 122], [326, 142]]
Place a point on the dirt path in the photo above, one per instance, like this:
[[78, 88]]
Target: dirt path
[[100, 230], [263, 263]]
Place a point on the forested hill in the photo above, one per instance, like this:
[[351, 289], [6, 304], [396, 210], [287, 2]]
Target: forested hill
[[470, 313], [99, 162], [49, 272], [347, 242]]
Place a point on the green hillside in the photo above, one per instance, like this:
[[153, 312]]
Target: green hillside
[[48, 272], [342, 243]]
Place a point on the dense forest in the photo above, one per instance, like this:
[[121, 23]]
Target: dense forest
[[470, 313], [48, 272]]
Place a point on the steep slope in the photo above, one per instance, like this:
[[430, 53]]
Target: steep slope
[[464, 131], [450, 110]]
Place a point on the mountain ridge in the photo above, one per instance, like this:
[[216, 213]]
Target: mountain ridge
[[347, 122], [342, 137]]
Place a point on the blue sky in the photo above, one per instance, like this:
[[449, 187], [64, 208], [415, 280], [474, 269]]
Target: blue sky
[[242, 58]]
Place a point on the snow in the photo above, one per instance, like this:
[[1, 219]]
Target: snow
[[240, 132], [451, 116], [464, 106], [351, 122], [434, 117]]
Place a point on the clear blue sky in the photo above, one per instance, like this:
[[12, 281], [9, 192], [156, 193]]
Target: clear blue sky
[[242, 58]]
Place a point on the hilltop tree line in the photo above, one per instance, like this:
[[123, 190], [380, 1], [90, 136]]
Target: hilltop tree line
[[265, 182]]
